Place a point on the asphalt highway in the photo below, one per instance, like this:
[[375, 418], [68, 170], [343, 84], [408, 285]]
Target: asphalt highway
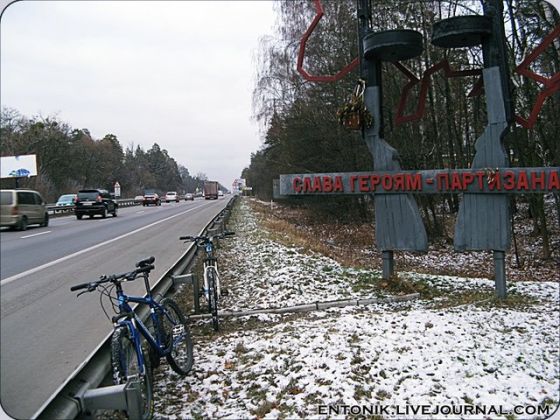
[[45, 331]]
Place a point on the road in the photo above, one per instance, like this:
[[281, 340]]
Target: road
[[46, 332]]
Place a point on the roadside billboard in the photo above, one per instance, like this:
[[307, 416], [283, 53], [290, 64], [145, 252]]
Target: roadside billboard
[[18, 166]]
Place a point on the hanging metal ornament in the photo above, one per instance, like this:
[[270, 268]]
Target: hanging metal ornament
[[354, 114]]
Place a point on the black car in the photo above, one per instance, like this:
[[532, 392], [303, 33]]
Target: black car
[[92, 202]]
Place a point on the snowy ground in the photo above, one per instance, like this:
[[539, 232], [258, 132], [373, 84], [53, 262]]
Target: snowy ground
[[454, 347]]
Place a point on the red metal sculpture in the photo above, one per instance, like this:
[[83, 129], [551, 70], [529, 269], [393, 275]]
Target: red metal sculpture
[[550, 85], [333, 78], [442, 65]]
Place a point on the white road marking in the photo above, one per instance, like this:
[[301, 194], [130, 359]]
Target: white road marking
[[83, 251], [36, 234]]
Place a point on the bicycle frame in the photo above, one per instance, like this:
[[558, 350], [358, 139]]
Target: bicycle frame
[[135, 324], [168, 335]]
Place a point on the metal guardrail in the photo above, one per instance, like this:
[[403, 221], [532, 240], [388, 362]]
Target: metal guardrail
[[80, 394], [55, 210]]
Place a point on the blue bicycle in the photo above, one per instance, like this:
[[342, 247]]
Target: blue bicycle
[[168, 334]]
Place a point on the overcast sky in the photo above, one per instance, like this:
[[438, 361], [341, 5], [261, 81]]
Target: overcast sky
[[178, 73]]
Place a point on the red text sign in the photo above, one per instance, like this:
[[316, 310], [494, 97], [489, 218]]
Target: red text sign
[[505, 180]]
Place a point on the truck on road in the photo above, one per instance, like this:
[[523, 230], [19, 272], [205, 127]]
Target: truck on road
[[210, 190]]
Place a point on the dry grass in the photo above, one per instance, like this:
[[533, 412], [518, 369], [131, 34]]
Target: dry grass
[[343, 243], [353, 245]]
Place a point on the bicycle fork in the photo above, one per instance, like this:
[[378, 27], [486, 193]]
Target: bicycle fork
[[206, 286], [130, 325]]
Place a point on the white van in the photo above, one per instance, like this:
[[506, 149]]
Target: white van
[[20, 208]]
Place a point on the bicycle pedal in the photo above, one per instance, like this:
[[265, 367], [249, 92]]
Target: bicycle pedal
[[178, 331]]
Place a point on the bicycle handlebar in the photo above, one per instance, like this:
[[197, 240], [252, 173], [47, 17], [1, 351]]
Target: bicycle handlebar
[[145, 266], [205, 239], [131, 275], [80, 286]]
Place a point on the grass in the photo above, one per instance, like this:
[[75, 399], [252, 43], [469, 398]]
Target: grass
[[369, 282], [486, 299], [396, 285], [263, 409], [240, 363], [513, 300], [468, 400], [357, 360], [291, 233], [240, 349], [360, 393], [382, 395]]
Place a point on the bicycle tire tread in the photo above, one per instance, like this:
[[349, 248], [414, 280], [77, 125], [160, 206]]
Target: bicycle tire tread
[[119, 334], [181, 368]]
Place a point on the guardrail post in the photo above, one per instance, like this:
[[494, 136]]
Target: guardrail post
[[134, 403], [196, 295], [116, 397], [213, 231], [220, 225], [189, 278]]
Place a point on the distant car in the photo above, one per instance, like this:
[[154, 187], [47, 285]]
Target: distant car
[[220, 193], [66, 200], [95, 201], [171, 196], [151, 198], [189, 196], [139, 198], [19, 172], [21, 207]]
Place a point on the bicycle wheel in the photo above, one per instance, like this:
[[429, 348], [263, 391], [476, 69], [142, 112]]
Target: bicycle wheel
[[213, 300], [124, 358], [175, 325]]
